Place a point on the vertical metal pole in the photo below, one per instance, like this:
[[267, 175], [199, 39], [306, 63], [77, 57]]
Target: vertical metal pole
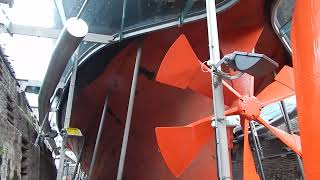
[[258, 142], [124, 8], [289, 128], [68, 114], [71, 91], [59, 6], [219, 124], [67, 167], [129, 114], [78, 161], [254, 135], [61, 160], [96, 146], [78, 174]]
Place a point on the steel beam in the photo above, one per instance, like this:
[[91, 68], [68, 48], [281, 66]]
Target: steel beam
[[54, 33], [129, 114]]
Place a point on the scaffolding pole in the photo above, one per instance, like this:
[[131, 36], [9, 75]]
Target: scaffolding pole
[[129, 114], [68, 115], [78, 161], [219, 124]]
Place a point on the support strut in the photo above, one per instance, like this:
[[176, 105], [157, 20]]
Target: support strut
[[68, 116], [129, 114], [223, 162], [96, 146], [289, 128], [76, 169], [254, 137]]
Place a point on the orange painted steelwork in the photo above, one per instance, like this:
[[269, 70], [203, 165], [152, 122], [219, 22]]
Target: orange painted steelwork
[[183, 69], [157, 104], [306, 62], [178, 69], [249, 170], [190, 139]]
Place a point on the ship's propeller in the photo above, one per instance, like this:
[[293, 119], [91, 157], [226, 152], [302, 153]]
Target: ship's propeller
[[181, 68], [179, 145], [189, 139], [249, 169]]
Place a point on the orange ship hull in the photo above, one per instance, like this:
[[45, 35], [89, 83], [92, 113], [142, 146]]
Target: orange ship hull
[[109, 71]]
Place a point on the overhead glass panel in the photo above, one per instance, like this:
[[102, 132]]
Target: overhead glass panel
[[141, 16], [105, 17], [102, 17], [144, 12], [46, 14], [84, 49], [284, 12]]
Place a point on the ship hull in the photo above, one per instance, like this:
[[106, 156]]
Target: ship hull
[[109, 73]]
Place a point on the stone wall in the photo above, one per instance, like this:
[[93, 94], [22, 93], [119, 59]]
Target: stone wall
[[10, 137], [20, 159], [10, 152]]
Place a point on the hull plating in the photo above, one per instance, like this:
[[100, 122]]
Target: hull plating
[[158, 104]]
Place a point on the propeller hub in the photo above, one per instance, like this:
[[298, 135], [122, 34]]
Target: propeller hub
[[249, 107]]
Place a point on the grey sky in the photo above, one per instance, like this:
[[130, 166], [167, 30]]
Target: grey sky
[[30, 55]]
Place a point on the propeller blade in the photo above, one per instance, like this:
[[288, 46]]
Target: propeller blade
[[249, 169], [181, 68], [244, 85], [180, 145], [292, 141], [240, 39], [281, 88], [179, 65], [286, 77], [274, 92]]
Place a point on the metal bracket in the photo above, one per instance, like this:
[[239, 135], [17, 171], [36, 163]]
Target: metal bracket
[[226, 59], [230, 121], [227, 76], [185, 11]]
